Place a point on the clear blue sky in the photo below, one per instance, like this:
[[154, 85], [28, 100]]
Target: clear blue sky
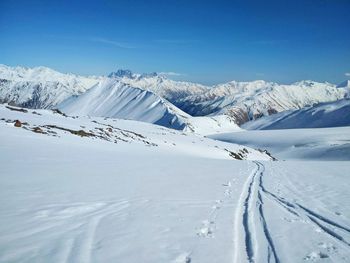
[[204, 41]]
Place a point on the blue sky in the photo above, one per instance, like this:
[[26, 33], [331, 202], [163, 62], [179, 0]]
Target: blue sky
[[202, 41]]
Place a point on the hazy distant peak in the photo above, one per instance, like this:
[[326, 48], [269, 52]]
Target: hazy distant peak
[[121, 73]]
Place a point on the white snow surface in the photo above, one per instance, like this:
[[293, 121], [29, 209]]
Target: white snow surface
[[207, 125], [54, 124], [127, 191]]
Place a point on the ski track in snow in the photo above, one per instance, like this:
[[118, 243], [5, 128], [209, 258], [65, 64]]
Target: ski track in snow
[[253, 221], [84, 244], [73, 228], [328, 226], [251, 228]]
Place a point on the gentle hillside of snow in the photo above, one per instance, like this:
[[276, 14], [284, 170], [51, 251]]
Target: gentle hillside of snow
[[40, 87], [159, 84], [329, 114], [251, 100], [56, 125]]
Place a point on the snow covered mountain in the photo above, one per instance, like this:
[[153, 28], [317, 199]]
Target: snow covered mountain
[[112, 98], [115, 99], [136, 96], [251, 100], [40, 87], [157, 83], [328, 114]]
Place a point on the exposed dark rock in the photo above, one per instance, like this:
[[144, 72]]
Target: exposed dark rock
[[38, 130], [271, 111], [269, 154], [17, 109], [18, 123], [81, 133], [237, 156], [59, 112]]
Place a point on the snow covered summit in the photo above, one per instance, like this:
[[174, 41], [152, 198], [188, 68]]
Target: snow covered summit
[[159, 84], [40, 87], [120, 73], [112, 98]]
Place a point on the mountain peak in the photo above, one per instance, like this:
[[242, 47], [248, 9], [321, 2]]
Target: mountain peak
[[306, 83], [122, 73], [150, 75]]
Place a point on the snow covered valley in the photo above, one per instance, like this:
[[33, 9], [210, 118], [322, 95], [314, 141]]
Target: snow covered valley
[[94, 189]]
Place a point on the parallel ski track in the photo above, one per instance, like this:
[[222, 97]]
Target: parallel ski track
[[253, 207]]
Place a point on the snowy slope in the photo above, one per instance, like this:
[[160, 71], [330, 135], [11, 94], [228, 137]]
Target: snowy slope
[[40, 87], [56, 124], [250, 100], [108, 190], [330, 114], [111, 98], [207, 125], [159, 84]]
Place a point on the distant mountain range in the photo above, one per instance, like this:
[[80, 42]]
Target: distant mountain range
[[251, 100], [156, 99]]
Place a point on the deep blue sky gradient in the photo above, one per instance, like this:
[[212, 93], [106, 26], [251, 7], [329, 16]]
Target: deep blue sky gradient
[[205, 41]]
